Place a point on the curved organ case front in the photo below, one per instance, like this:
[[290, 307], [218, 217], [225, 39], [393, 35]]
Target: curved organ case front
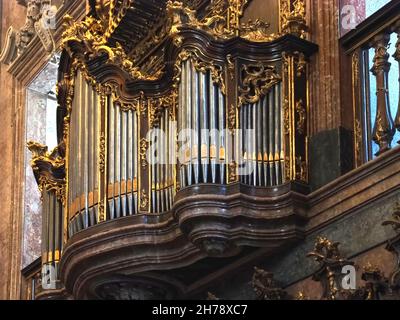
[[196, 121]]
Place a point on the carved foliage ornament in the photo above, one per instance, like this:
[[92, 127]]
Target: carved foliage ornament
[[49, 169], [90, 36], [327, 254], [257, 80], [293, 17], [157, 105], [222, 20]]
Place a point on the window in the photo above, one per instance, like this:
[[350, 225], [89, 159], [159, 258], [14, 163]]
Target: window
[[41, 108], [353, 12], [393, 84]]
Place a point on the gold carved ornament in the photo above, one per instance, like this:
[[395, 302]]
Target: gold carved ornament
[[144, 145], [157, 105], [43, 165], [301, 116], [330, 274], [144, 199], [102, 153], [222, 21], [90, 33], [293, 17], [257, 80]]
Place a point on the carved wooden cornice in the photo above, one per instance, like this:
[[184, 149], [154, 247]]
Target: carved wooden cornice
[[37, 24]]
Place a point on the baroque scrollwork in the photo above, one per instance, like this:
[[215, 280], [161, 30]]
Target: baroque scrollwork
[[265, 287], [394, 246], [293, 17], [301, 116], [49, 169], [257, 80], [330, 275], [144, 200], [144, 145], [222, 20], [157, 105], [90, 33], [102, 153]]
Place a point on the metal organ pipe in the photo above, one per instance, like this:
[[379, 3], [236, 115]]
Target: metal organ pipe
[[202, 110], [83, 158], [263, 149]]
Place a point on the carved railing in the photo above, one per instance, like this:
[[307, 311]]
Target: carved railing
[[373, 51]]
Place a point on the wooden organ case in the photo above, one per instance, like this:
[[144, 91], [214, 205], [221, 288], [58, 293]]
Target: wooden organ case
[[183, 144]]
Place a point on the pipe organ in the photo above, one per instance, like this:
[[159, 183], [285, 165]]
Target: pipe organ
[[263, 140], [83, 146], [202, 121], [181, 125]]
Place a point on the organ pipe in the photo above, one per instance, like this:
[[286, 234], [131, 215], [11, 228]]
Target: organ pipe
[[263, 148], [201, 108]]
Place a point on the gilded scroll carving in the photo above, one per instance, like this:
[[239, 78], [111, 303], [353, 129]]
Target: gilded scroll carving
[[144, 145], [221, 21], [293, 17], [102, 153], [257, 80], [48, 168], [265, 287], [144, 200], [301, 116], [330, 274], [157, 105], [90, 33]]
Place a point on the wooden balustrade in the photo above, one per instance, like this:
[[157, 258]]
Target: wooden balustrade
[[383, 128], [370, 50]]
